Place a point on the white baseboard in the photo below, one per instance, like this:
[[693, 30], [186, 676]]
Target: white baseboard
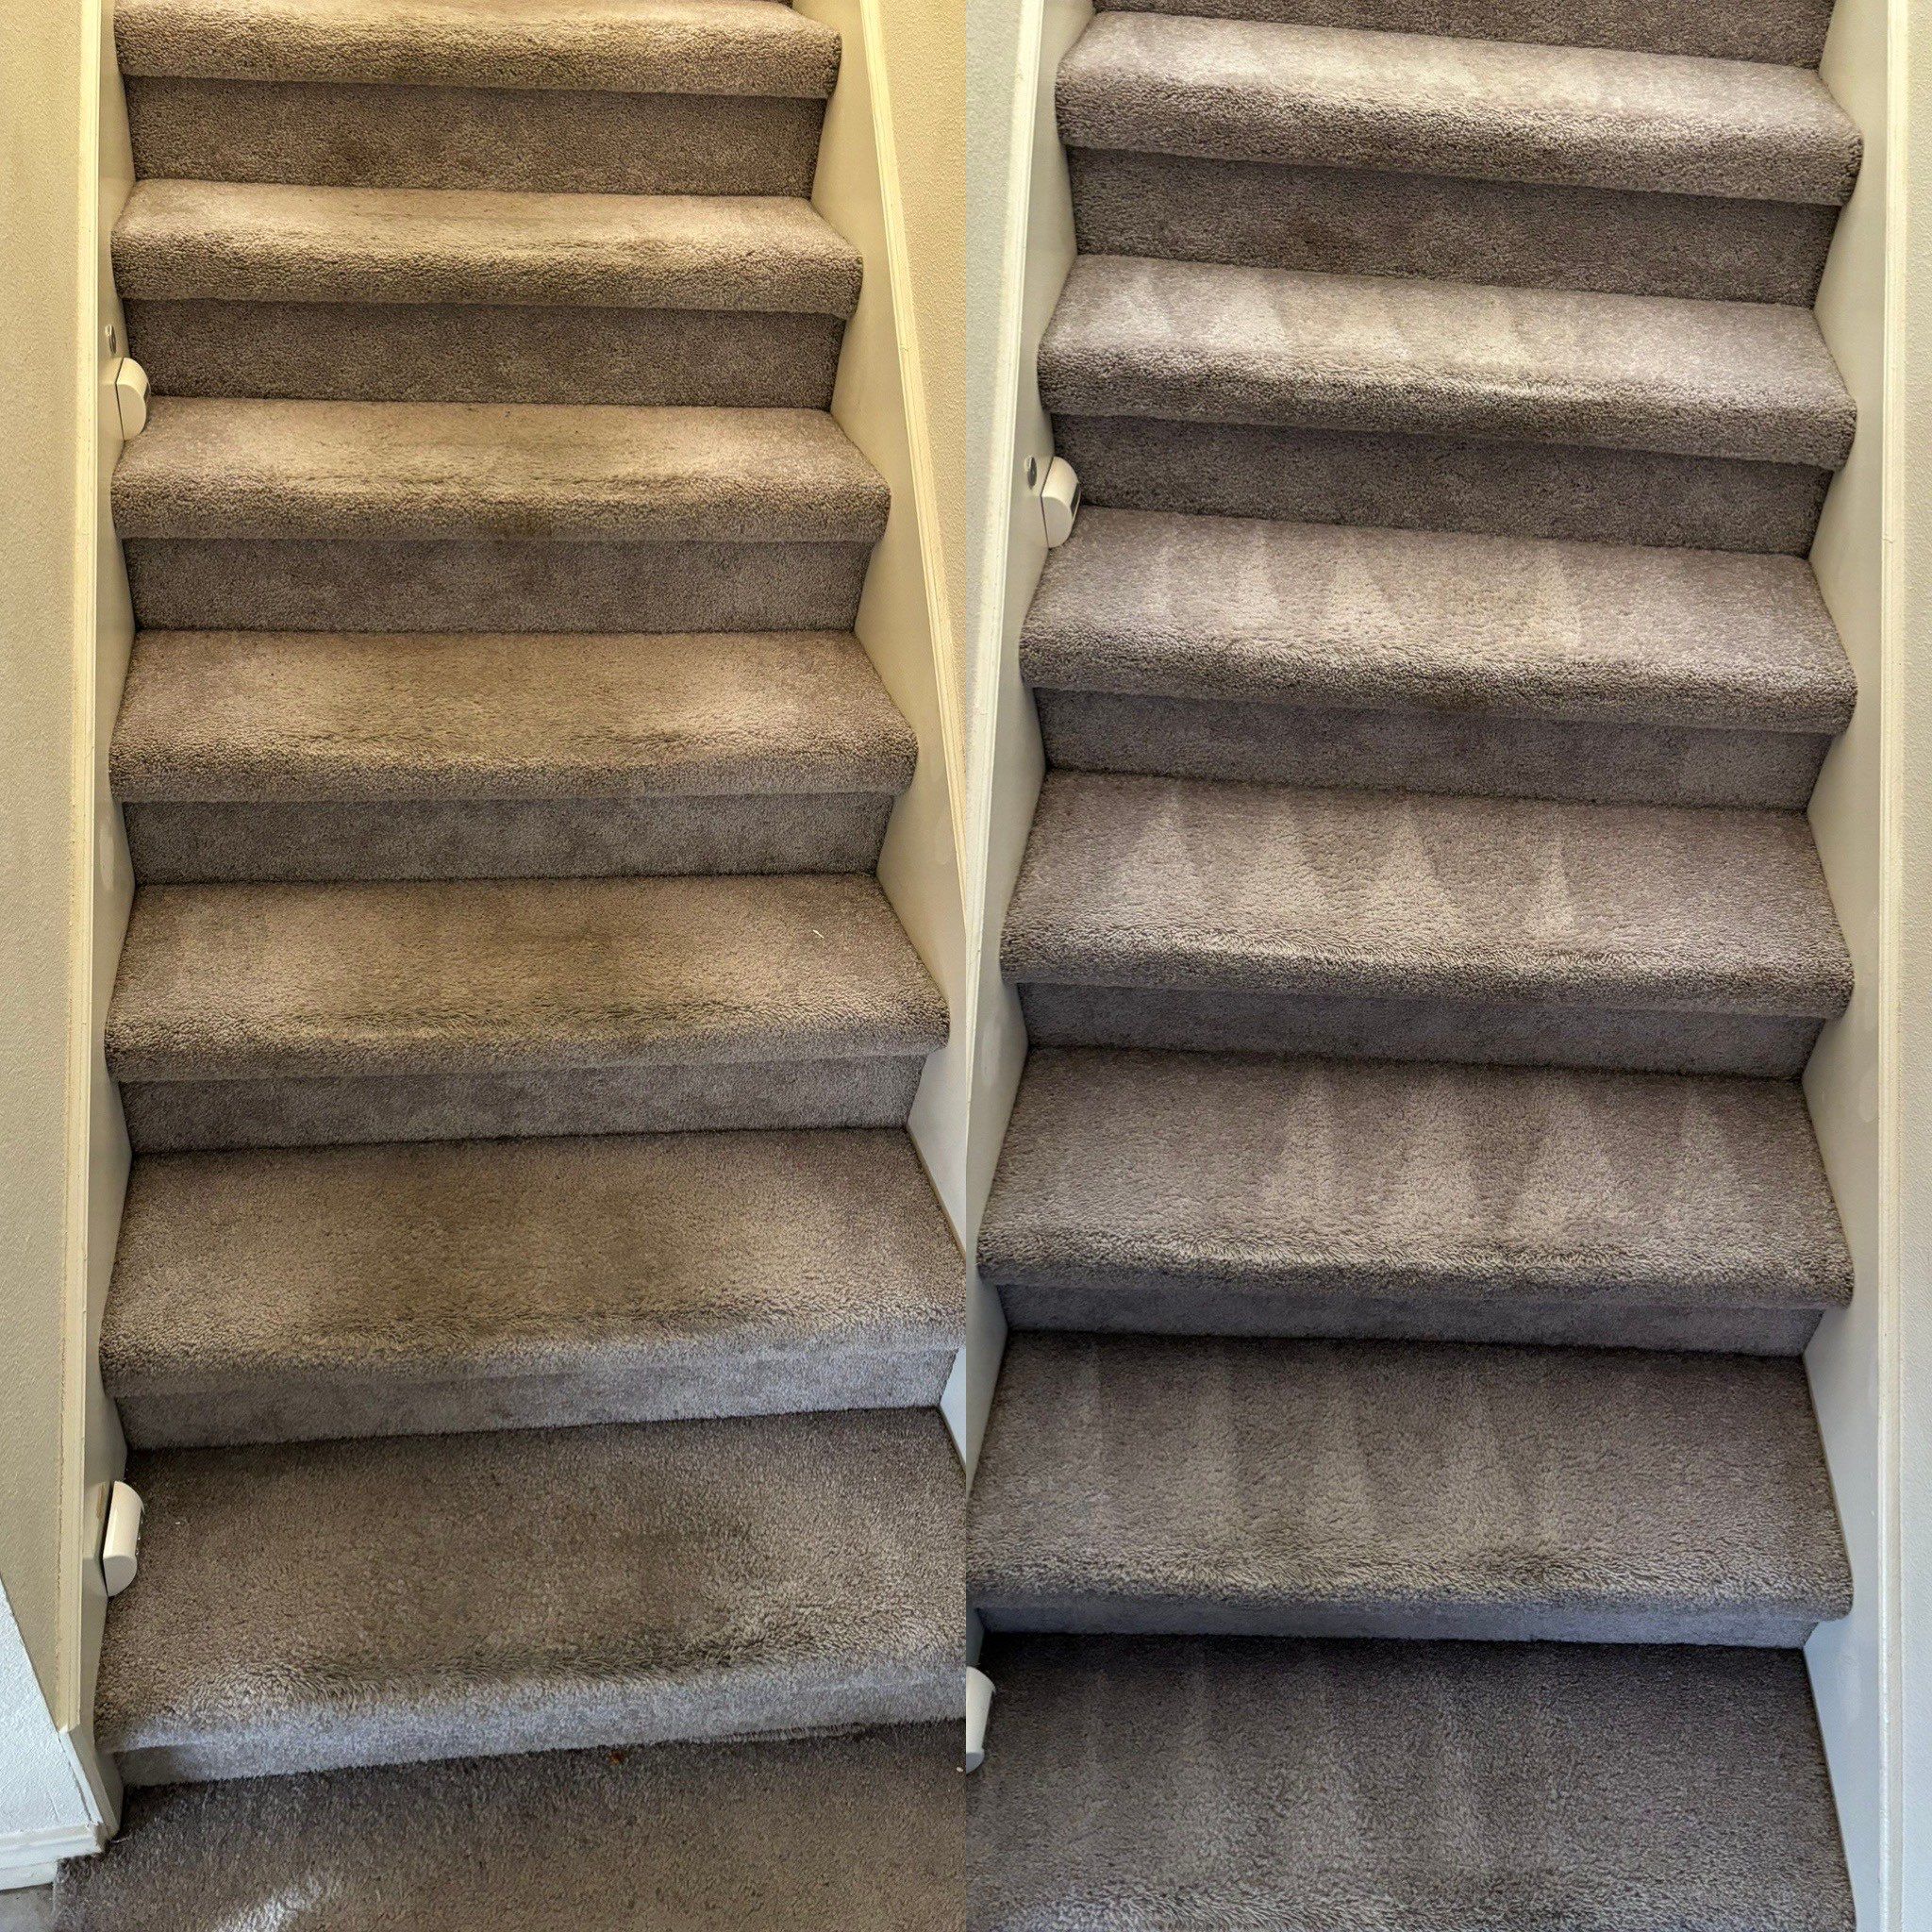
[[30, 1858]]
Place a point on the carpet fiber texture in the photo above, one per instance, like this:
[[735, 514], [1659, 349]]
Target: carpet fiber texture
[[1168, 1785], [1198, 1193], [1409, 1220], [304, 1607], [530, 1309], [1403, 1490], [861, 1832]]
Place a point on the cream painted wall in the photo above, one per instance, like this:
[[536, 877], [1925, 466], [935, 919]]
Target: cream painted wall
[[64, 630], [1020, 245], [1911, 432]]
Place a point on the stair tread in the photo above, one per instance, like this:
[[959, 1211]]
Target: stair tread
[[1133, 881], [318, 1604], [267, 981], [686, 1837], [1423, 103], [1247, 609], [1352, 1176], [439, 471], [1205, 341], [1406, 1787], [656, 47], [250, 240], [548, 1255], [1321, 1487], [246, 715]]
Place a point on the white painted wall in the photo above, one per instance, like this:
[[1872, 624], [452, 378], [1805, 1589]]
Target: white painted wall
[[65, 627], [1020, 245]]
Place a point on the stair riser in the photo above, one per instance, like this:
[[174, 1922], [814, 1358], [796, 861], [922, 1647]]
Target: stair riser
[[651, 1386], [178, 1116], [1153, 1304], [479, 839], [451, 353], [1787, 31], [1583, 1622], [1773, 1047], [332, 135], [189, 584], [494, 1720], [1422, 750], [1438, 483], [1355, 221]]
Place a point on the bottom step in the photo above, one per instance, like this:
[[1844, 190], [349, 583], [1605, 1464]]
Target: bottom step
[[1169, 1785], [863, 1833]]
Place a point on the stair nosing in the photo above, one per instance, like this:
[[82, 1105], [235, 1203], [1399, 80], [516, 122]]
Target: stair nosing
[[1147, 639], [1141, 53], [786, 56], [168, 247], [1813, 979], [173, 1017], [286, 736], [1121, 345], [223, 469]]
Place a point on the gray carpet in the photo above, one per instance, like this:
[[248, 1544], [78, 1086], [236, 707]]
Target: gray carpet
[[1410, 1218], [458, 1285], [1162, 912], [1489, 109], [530, 1311], [304, 1607], [861, 1833], [253, 754], [1790, 31], [1178, 1193], [1414, 1490], [1175, 1785]]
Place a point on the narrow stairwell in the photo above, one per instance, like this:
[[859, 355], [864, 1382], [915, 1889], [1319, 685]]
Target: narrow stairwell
[[1402, 1505], [529, 1310]]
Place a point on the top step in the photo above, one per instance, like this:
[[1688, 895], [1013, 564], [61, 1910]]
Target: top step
[[629, 46], [1787, 31], [1242, 90]]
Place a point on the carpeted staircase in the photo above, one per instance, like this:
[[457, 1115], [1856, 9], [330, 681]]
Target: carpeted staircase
[[529, 1310], [1402, 1503]]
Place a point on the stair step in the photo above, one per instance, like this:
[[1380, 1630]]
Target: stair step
[[1423, 103], [1167, 912], [1204, 343], [252, 242], [270, 1296], [388, 472], [1189, 1193], [1406, 1787], [647, 46], [296, 755], [1404, 1490], [694, 1837], [1274, 920], [313, 1605], [257, 715], [1254, 611], [240, 982], [1790, 31], [1322, 653], [526, 1006]]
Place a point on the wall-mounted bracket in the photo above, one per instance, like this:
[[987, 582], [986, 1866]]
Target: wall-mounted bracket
[[120, 1538], [978, 1702]]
